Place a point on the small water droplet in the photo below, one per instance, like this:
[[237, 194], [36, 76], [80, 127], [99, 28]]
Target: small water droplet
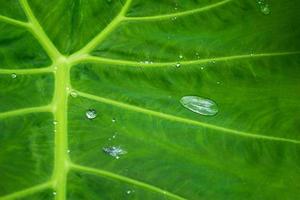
[[73, 94], [114, 151], [129, 192], [55, 122], [91, 114], [218, 82], [177, 65], [173, 18], [54, 193], [180, 56], [199, 105], [264, 7], [13, 75], [201, 68], [113, 120], [68, 150]]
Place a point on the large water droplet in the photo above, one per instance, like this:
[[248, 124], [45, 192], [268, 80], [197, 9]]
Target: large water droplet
[[13, 75], [114, 151], [199, 105], [91, 114]]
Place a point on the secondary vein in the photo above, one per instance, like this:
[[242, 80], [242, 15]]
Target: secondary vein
[[178, 14], [125, 179], [96, 59], [13, 21], [24, 111], [27, 191], [182, 119], [105, 32]]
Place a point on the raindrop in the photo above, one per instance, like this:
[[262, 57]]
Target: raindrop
[[201, 68], [178, 65], [55, 122], [54, 193], [173, 18], [200, 105], [114, 151], [73, 94], [13, 75], [68, 150], [180, 56], [113, 120], [91, 114]]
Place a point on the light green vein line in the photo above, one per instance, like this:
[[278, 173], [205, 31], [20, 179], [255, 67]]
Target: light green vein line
[[39, 33], [183, 120], [25, 111], [125, 179], [27, 191], [178, 14], [27, 71], [13, 21], [105, 32], [95, 59]]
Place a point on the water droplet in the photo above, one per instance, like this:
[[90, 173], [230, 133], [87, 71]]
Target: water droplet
[[129, 192], [218, 82], [114, 151], [173, 18], [68, 150], [113, 120], [73, 94], [178, 65], [199, 105], [91, 114], [13, 75], [55, 122], [264, 7], [54, 193], [180, 56], [201, 68]]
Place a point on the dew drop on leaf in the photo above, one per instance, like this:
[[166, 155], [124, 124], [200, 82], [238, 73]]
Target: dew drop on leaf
[[129, 192], [114, 151], [180, 56], [54, 193], [73, 94], [91, 114], [178, 65], [13, 75], [264, 7], [200, 105], [113, 120]]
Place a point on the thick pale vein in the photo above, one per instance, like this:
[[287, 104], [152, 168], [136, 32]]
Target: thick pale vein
[[96, 59], [28, 71], [105, 32], [26, 192], [125, 179], [39, 33], [24, 111], [13, 21], [182, 120], [178, 14]]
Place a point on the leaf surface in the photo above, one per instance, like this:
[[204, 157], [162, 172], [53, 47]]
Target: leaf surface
[[130, 62]]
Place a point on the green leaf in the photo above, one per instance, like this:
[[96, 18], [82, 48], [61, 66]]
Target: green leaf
[[91, 93]]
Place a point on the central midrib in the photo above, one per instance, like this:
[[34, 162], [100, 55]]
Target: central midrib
[[60, 106]]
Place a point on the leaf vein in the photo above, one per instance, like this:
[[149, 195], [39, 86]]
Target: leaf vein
[[183, 120], [125, 179]]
